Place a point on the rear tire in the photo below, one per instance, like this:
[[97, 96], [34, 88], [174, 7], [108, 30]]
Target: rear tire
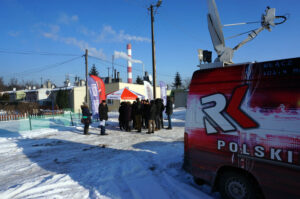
[[234, 185]]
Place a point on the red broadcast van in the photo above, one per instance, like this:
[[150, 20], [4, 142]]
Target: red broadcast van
[[242, 133]]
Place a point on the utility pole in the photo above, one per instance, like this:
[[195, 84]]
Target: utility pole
[[112, 66], [86, 77], [153, 46], [108, 71], [153, 53]]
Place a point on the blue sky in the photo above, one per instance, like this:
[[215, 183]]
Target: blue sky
[[68, 27]]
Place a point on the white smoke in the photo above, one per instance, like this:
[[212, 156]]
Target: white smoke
[[118, 55]]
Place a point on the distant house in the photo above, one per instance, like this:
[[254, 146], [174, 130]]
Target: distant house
[[47, 96]]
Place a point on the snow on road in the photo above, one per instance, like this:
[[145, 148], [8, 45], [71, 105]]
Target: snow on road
[[60, 162]]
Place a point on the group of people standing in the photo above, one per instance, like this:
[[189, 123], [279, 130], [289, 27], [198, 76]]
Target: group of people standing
[[144, 114], [140, 114]]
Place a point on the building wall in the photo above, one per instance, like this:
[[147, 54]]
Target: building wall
[[43, 94], [78, 96], [20, 95]]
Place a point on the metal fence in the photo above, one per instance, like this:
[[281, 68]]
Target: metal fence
[[34, 122]]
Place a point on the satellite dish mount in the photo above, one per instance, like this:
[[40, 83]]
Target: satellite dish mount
[[225, 54]]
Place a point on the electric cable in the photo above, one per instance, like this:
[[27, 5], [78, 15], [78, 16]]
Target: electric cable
[[46, 67], [7, 51], [117, 64], [281, 17]]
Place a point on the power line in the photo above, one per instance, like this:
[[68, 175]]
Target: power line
[[139, 70], [110, 62], [7, 51], [46, 67]]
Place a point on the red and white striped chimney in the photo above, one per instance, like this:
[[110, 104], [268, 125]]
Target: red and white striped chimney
[[129, 66]]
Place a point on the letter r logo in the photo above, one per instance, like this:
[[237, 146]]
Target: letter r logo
[[217, 108]]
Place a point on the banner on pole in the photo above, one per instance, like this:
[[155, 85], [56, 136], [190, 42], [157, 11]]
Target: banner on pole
[[148, 90], [94, 96], [100, 86]]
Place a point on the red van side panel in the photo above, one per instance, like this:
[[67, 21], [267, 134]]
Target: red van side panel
[[248, 117]]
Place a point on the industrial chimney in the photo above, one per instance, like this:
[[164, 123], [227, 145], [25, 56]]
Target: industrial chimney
[[129, 67]]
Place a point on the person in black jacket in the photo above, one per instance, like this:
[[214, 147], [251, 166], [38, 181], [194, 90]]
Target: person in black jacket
[[122, 115], [159, 108], [152, 116], [128, 116], [161, 112], [138, 115], [146, 109], [169, 111], [103, 116], [133, 114], [86, 118]]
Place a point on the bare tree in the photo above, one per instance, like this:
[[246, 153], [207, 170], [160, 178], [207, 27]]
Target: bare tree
[[13, 83], [2, 85], [31, 83], [186, 83]]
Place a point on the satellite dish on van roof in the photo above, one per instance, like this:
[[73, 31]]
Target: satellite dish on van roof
[[215, 26], [225, 54]]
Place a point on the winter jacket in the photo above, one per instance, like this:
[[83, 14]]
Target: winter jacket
[[146, 110], [152, 111], [162, 107], [86, 115], [169, 107], [103, 110], [139, 108], [128, 110], [122, 111], [159, 106], [133, 110]]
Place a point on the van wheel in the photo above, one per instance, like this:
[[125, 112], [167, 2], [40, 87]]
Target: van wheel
[[233, 185]]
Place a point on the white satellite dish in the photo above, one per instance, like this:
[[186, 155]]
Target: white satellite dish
[[225, 54], [215, 26]]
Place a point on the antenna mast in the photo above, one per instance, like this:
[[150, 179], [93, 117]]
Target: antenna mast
[[225, 54]]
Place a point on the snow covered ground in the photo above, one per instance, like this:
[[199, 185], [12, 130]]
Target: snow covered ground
[[61, 162]]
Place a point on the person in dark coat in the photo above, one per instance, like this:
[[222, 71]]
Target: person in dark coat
[[146, 109], [152, 116], [161, 112], [133, 114], [169, 111], [86, 117], [103, 116], [128, 117], [138, 115], [122, 116]]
